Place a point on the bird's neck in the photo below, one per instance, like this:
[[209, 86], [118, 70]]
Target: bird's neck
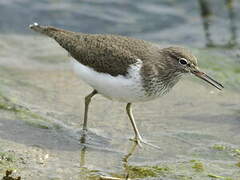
[[160, 83]]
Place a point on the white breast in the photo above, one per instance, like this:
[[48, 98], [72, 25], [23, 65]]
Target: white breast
[[121, 88]]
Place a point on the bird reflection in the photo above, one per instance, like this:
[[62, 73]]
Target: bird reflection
[[130, 153], [82, 162], [82, 156], [83, 150], [125, 159], [83, 138]]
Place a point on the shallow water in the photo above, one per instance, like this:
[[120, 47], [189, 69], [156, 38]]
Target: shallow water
[[41, 99]]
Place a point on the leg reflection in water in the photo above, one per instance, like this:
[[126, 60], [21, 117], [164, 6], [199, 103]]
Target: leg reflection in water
[[126, 158], [85, 172]]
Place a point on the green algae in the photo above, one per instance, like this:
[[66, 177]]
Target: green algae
[[219, 177], [238, 164], [184, 170], [215, 176], [132, 172], [36, 120], [145, 171], [219, 147], [234, 152], [31, 118], [198, 166], [142, 172], [6, 104], [189, 170]]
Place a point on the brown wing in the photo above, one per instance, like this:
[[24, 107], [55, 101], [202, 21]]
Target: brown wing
[[103, 54]]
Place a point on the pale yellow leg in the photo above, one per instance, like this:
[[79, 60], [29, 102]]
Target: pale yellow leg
[[87, 102], [138, 139]]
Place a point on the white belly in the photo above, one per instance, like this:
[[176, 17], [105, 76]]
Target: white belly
[[120, 88]]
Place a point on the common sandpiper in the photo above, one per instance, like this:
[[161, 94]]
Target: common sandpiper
[[123, 68]]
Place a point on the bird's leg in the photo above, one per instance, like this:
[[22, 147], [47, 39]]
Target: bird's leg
[[87, 102], [138, 139]]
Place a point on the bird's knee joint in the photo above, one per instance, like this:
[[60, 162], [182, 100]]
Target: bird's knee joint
[[87, 99], [128, 107]]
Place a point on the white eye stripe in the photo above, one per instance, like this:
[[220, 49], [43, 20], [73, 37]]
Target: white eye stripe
[[183, 61]]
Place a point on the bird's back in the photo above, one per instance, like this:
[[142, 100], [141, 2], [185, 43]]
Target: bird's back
[[105, 53]]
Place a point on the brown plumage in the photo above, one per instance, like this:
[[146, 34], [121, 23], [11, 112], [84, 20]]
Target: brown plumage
[[114, 53]]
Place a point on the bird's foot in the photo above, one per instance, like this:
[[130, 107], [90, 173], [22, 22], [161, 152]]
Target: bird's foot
[[139, 141]]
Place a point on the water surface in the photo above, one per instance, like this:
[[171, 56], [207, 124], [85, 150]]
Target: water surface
[[41, 99]]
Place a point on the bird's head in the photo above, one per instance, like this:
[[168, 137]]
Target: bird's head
[[182, 61]]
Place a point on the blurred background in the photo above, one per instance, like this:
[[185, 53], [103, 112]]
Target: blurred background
[[195, 23], [41, 100]]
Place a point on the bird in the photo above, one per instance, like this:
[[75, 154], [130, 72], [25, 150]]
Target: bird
[[125, 69]]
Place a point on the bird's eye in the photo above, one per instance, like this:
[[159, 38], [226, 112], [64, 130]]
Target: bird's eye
[[183, 61]]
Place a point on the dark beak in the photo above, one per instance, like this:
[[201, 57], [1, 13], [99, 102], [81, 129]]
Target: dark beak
[[207, 78]]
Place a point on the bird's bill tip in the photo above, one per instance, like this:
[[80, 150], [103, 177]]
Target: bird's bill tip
[[208, 79]]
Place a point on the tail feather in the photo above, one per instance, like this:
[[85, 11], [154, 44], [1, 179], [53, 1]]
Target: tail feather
[[66, 39], [46, 30]]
